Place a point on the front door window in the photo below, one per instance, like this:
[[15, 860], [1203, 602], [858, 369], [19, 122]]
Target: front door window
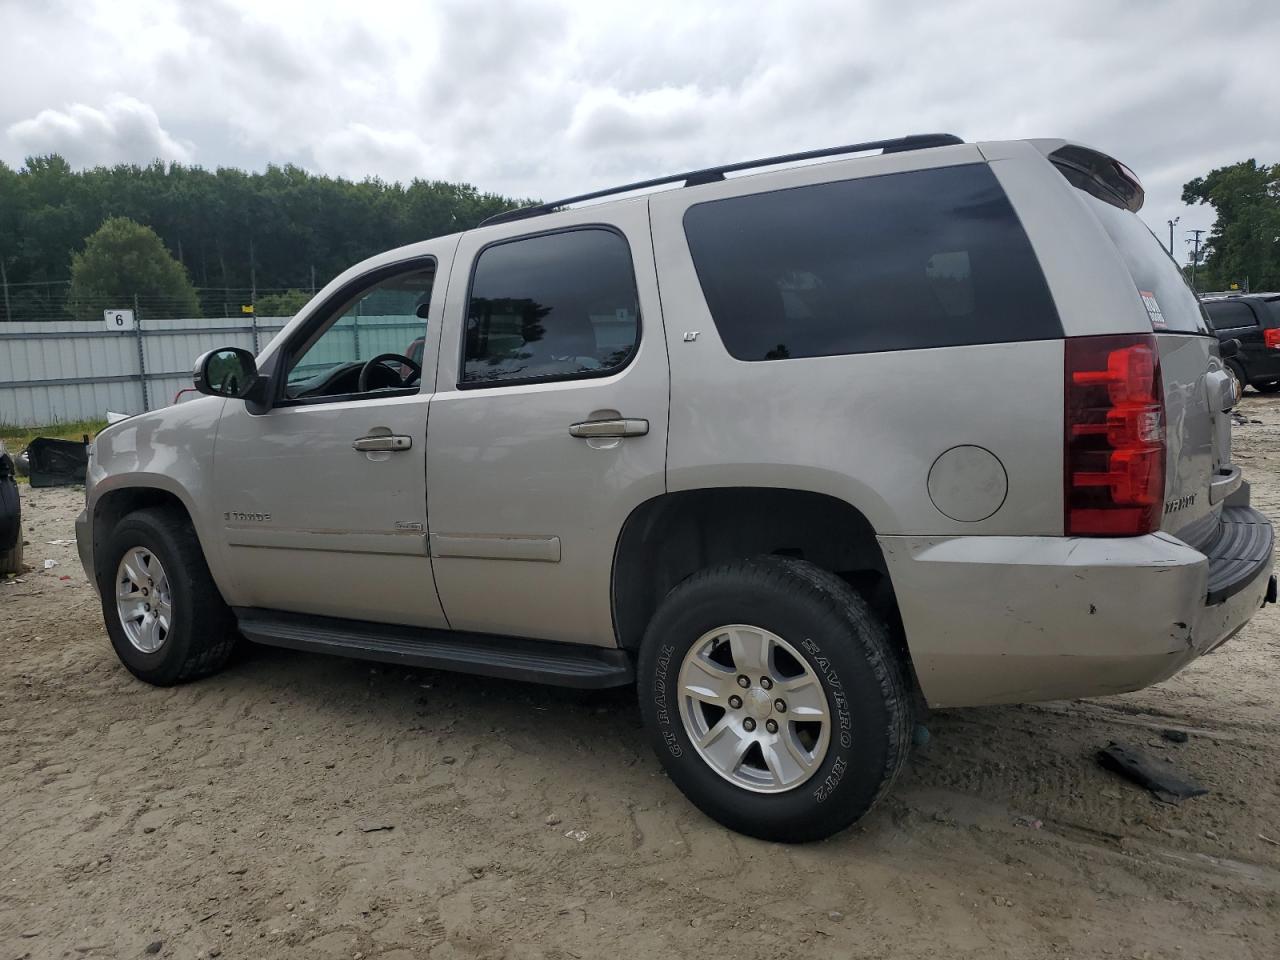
[[386, 320]]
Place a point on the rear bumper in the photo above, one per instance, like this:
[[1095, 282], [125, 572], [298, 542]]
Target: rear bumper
[[1261, 365], [1020, 619]]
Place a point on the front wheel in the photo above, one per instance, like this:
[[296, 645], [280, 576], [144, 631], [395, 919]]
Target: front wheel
[[774, 698], [164, 615]]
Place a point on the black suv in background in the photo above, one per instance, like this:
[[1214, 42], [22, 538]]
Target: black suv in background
[[1254, 320]]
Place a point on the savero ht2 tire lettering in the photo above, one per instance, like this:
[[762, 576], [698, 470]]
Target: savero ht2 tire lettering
[[774, 698]]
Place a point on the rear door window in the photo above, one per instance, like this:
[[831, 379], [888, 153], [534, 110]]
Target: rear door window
[[904, 261], [551, 307]]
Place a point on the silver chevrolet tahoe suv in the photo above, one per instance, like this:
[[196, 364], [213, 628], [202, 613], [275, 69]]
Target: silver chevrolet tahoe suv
[[798, 448]]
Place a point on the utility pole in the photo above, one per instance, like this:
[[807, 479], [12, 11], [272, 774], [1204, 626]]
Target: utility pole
[[1171, 225], [253, 275], [1195, 256], [313, 278]]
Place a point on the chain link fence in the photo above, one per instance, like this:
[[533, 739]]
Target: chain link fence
[[48, 301]]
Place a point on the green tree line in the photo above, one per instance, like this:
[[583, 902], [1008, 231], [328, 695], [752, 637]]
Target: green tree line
[[1243, 248], [280, 230]]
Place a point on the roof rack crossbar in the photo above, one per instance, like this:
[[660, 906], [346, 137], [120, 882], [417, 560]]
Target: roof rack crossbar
[[694, 178]]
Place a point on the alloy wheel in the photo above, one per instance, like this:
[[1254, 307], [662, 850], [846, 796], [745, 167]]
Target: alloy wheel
[[754, 709], [144, 602]]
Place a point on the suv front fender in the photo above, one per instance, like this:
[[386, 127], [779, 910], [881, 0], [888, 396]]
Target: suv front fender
[[165, 456]]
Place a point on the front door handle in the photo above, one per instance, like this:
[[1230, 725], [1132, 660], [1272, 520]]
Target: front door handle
[[599, 429], [383, 443]]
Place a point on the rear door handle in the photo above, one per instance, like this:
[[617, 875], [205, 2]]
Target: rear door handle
[[382, 444], [595, 429]]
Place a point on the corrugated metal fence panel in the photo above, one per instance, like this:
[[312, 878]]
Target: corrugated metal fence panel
[[78, 370], [34, 357], [171, 350]]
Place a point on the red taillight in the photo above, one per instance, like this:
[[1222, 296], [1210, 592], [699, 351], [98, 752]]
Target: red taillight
[[1114, 441], [1271, 338]]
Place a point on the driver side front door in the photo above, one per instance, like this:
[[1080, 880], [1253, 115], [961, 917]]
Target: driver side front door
[[322, 499]]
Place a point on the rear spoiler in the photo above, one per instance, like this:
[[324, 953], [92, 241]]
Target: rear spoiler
[[1096, 173]]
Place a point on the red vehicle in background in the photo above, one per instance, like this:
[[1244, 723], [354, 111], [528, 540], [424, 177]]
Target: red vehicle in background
[[414, 353]]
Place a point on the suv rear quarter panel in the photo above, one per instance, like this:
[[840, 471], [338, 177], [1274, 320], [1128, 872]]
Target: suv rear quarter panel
[[864, 428], [1091, 288]]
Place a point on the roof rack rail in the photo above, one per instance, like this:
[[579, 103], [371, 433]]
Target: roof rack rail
[[695, 178]]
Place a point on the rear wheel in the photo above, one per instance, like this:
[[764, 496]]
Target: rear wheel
[[164, 615], [774, 698]]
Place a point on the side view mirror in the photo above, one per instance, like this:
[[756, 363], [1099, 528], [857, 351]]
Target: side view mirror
[[1228, 348], [228, 372]]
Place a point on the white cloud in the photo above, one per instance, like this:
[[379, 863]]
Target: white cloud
[[553, 97], [608, 119], [125, 130], [357, 151]]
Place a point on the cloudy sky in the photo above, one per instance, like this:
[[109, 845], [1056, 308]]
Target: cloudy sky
[[549, 97]]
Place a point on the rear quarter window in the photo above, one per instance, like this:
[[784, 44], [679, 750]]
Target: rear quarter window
[[1230, 315], [1273, 312], [904, 261]]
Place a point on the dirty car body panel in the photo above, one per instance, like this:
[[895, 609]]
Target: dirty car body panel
[[496, 519]]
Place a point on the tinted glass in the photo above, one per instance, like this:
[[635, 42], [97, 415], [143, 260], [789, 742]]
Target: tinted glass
[[1229, 314], [929, 258], [552, 306], [1273, 310], [1152, 269]]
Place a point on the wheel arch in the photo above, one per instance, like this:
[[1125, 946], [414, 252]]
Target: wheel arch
[[669, 537], [111, 506]]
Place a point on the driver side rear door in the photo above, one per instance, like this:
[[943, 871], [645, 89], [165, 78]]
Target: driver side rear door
[[322, 499]]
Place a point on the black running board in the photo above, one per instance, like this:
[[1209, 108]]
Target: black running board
[[513, 658]]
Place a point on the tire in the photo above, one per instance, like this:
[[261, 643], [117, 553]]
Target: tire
[[827, 633], [201, 631], [11, 559], [10, 507], [1271, 387]]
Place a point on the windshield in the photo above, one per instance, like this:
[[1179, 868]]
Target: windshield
[[1170, 301]]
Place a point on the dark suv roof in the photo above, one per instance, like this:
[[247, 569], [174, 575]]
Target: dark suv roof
[[1209, 298], [1264, 303]]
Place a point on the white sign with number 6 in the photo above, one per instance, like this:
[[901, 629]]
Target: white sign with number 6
[[118, 319]]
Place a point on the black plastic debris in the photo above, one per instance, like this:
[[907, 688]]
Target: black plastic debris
[[1164, 780], [57, 463], [1175, 736]]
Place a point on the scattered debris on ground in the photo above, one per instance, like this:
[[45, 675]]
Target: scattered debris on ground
[[1161, 777], [53, 462]]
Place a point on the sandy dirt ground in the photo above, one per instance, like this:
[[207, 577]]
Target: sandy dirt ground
[[228, 817]]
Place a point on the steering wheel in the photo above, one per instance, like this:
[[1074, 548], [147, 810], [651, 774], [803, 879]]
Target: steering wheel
[[363, 385]]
